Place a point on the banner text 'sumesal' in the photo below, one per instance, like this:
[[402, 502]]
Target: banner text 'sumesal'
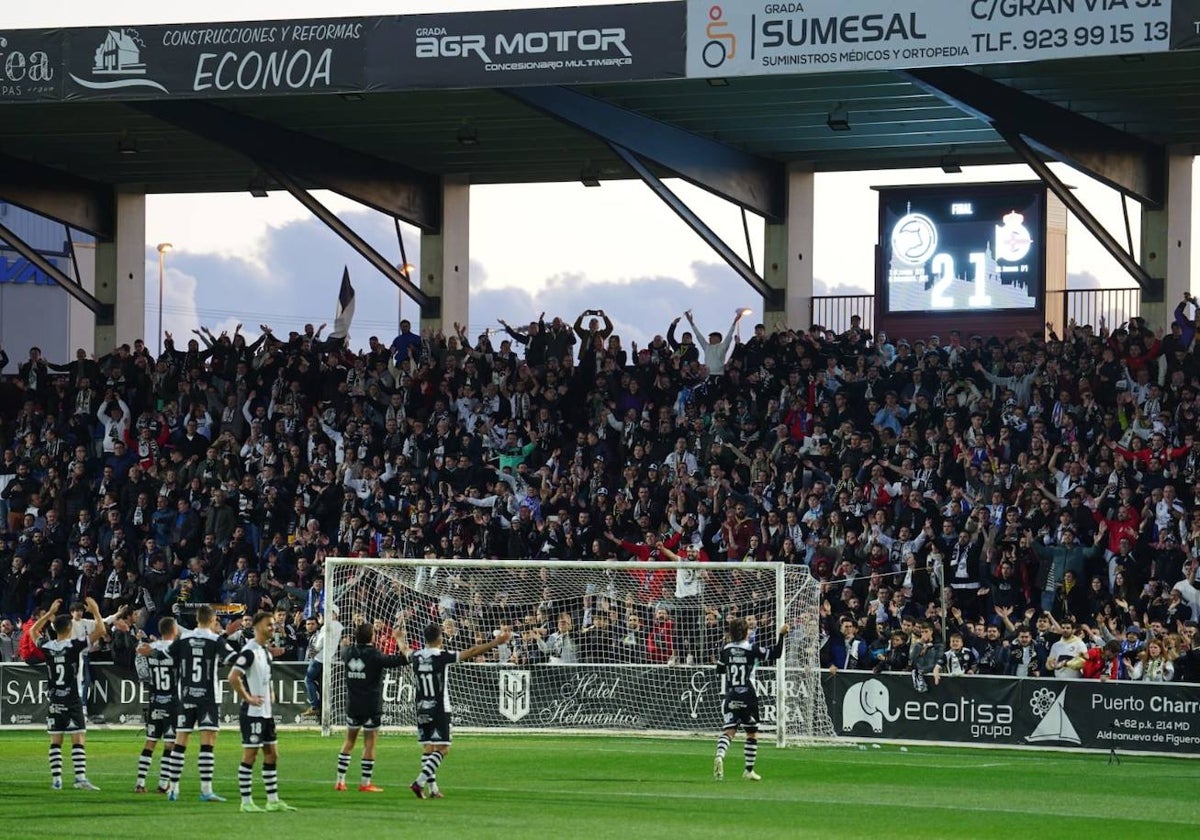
[[739, 38]]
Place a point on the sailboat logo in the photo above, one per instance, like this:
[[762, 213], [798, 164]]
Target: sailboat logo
[[1055, 725]]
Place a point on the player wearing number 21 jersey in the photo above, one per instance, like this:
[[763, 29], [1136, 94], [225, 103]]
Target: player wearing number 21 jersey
[[250, 678], [737, 662], [433, 701]]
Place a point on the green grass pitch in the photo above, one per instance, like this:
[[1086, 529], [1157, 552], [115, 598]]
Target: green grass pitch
[[535, 786]]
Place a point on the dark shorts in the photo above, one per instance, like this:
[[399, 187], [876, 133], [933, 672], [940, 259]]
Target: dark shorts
[[363, 719], [65, 718], [433, 727], [740, 711], [160, 721], [257, 731], [203, 717]]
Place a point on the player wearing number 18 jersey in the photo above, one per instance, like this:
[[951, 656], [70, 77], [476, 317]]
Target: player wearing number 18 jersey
[[250, 677], [364, 666], [737, 661], [433, 701], [65, 715]]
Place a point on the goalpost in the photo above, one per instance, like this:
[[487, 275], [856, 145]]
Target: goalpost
[[598, 646]]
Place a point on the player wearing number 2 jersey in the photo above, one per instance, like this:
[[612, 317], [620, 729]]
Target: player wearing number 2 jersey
[[65, 715], [433, 701], [737, 661], [250, 678]]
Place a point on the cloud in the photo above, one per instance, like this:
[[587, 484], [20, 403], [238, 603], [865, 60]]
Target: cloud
[[296, 281]]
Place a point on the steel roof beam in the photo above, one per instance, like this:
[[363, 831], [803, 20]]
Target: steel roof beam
[[1129, 164], [1077, 207], [772, 297], [77, 202], [429, 305], [383, 185], [750, 181], [104, 312]]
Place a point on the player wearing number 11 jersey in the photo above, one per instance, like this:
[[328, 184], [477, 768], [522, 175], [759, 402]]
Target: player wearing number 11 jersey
[[737, 661], [433, 701]]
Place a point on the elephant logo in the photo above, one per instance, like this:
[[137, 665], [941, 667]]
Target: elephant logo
[[867, 702]]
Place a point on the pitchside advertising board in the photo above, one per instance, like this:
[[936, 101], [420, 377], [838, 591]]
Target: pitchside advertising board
[[1004, 711], [741, 38], [999, 711]]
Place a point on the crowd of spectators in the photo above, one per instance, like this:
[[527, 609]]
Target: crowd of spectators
[[1007, 493]]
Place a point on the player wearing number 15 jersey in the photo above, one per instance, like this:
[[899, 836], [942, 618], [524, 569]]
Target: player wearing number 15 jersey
[[737, 661], [250, 678], [65, 715], [159, 677], [433, 701]]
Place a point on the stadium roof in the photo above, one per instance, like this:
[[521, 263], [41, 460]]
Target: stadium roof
[[159, 107]]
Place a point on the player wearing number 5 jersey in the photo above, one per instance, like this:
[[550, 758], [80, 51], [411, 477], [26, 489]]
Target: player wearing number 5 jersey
[[250, 678], [65, 714], [737, 661], [364, 665], [196, 656], [433, 701]]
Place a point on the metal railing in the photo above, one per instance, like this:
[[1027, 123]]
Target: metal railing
[[1085, 306], [833, 312]]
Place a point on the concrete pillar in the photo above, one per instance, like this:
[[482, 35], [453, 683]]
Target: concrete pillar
[[121, 274], [1167, 242], [445, 259], [788, 252]]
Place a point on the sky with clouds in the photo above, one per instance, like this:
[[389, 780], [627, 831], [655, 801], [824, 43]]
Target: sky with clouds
[[558, 248]]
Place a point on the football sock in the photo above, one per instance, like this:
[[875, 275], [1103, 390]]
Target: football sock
[[429, 766], [79, 761], [368, 768], [144, 761], [207, 764], [722, 746], [343, 766], [56, 762], [177, 758], [270, 782], [164, 767], [751, 751], [245, 781]]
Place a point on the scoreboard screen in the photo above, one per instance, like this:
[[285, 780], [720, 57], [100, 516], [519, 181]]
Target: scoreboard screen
[[965, 248]]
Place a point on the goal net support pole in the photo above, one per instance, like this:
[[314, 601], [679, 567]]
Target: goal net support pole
[[608, 646]]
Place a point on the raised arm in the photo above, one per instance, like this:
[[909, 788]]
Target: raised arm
[[479, 650]]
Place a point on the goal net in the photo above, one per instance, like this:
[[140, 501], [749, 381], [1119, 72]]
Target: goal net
[[596, 646]]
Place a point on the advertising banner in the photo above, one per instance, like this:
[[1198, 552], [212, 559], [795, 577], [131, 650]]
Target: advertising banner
[[528, 47], [31, 65], [116, 695], [1155, 717], [756, 38], [209, 60]]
